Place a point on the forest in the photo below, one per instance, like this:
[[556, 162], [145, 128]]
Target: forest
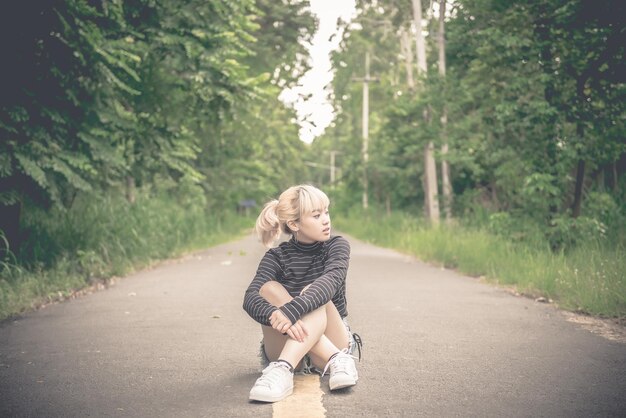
[[484, 135]]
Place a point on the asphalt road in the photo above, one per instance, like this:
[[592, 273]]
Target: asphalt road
[[173, 341]]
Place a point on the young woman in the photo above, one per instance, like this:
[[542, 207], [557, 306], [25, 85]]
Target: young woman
[[298, 295]]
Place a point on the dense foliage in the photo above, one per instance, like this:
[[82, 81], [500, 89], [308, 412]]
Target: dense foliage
[[534, 93], [105, 97]]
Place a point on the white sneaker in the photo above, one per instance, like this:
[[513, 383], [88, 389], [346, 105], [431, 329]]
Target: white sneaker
[[275, 384], [342, 371]]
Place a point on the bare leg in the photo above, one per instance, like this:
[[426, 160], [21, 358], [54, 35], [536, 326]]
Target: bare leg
[[335, 333], [327, 333]]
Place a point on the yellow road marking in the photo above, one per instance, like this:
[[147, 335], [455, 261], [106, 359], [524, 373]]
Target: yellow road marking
[[306, 401]]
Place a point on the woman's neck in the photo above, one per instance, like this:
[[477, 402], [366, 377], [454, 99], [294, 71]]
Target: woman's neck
[[305, 246]]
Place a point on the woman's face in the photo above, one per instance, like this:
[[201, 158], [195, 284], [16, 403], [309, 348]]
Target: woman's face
[[314, 226]]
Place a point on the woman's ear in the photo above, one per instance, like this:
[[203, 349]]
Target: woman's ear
[[293, 226]]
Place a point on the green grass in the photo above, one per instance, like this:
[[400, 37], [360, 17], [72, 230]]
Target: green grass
[[589, 278], [96, 240]]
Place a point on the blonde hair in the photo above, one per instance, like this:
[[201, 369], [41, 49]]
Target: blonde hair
[[291, 205]]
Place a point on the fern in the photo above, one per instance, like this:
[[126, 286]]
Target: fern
[[31, 169], [9, 198], [6, 166]]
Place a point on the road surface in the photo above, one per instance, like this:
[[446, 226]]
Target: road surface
[[173, 341]]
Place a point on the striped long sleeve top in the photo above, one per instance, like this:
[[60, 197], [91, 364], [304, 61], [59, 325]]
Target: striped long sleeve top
[[323, 265]]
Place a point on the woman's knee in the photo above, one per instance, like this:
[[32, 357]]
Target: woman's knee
[[328, 305], [275, 293]]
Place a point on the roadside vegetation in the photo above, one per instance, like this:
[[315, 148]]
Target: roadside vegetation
[[98, 239], [586, 277]]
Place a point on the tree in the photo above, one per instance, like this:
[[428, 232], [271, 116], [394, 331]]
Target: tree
[[431, 203], [441, 64], [582, 46], [101, 96], [57, 61]]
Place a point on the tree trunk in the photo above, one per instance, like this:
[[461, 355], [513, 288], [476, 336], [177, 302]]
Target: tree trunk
[[405, 44], [445, 167], [578, 191], [441, 39], [580, 178], [431, 203], [388, 204], [365, 128], [542, 29], [600, 180], [430, 170], [420, 44], [130, 189]]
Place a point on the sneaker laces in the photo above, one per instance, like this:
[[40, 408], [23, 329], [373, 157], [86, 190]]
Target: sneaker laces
[[268, 378], [339, 362]]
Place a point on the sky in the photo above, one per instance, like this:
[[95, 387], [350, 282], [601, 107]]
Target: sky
[[320, 74]]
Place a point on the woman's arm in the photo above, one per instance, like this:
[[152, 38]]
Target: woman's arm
[[257, 307], [322, 290]]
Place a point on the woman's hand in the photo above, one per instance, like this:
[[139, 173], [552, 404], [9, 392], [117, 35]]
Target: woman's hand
[[282, 324], [298, 331]]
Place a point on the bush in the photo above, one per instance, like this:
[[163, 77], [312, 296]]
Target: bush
[[566, 232]]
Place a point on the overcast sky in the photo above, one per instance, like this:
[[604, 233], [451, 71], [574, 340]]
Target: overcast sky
[[313, 82]]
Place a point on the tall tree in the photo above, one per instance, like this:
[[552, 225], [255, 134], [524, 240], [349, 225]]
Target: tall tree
[[441, 64], [431, 203]]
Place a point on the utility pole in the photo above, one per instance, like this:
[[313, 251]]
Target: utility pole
[[365, 119]]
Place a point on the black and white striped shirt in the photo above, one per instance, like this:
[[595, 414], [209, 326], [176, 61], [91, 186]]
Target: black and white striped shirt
[[295, 265]]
